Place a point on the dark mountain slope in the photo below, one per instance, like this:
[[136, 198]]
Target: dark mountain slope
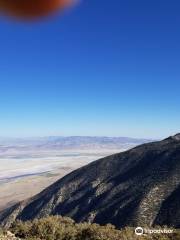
[[136, 187]]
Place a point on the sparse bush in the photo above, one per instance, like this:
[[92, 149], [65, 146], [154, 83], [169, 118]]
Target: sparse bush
[[63, 228]]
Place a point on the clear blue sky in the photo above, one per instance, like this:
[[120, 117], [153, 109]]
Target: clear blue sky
[[106, 67]]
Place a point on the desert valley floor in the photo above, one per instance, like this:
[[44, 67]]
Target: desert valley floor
[[23, 176]]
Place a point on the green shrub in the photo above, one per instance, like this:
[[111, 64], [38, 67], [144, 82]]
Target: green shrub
[[63, 228]]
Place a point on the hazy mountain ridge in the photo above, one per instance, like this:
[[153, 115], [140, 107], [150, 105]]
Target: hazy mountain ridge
[[74, 142], [136, 187]]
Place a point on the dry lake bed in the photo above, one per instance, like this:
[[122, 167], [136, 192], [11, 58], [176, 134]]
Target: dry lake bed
[[27, 166], [22, 175]]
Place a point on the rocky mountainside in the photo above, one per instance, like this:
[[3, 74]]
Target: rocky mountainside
[[138, 187]]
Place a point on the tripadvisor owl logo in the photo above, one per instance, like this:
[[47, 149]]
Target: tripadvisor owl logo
[[139, 231]]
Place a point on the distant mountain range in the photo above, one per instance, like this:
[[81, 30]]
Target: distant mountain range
[[134, 188], [69, 143], [91, 142]]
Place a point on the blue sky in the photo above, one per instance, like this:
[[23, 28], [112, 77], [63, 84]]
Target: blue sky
[[102, 68]]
